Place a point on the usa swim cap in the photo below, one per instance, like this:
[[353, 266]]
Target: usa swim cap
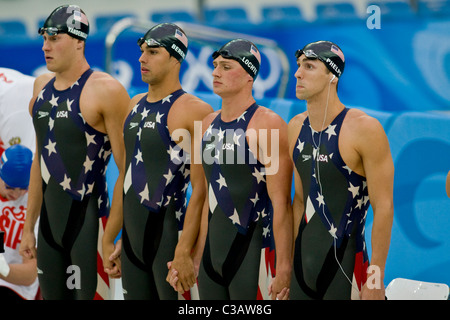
[[243, 51], [68, 19], [169, 36], [327, 52], [15, 165]]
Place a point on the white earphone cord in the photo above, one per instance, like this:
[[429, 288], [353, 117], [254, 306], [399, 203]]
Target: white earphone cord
[[320, 184]]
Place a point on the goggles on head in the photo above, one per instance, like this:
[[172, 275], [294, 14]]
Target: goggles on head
[[51, 31], [310, 54], [224, 53], [150, 42]]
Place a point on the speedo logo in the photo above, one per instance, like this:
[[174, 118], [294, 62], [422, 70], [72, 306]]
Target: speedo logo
[[147, 124], [42, 114]]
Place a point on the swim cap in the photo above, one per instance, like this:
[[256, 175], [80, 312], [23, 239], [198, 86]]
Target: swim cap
[[169, 36], [15, 165], [68, 19], [244, 52], [327, 52]]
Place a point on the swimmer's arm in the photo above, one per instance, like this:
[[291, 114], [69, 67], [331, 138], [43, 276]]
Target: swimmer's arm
[[379, 170], [113, 104], [183, 261], [298, 206], [28, 241], [279, 180]]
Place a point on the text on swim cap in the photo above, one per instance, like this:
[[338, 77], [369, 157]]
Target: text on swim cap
[[178, 50], [250, 65], [334, 66], [77, 32]]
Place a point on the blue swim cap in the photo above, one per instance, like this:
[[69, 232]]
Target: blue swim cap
[[15, 165]]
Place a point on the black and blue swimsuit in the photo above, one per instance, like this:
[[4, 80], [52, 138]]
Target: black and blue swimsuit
[[331, 233], [240, 212], [73, 157], [155, 187]]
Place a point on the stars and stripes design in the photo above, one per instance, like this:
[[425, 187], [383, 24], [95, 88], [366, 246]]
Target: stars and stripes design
[[232, 139], [338, 51], [78, 15], [62, 110], [147, 123], [182, 37], [103, 285], [324, 163], [225, 144]]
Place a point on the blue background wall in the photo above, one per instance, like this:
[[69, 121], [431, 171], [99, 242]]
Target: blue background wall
[[399, 74]]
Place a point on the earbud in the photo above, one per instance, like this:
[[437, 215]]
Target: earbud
[[332, 78]]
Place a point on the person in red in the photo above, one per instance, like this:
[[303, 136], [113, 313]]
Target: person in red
[[18, 276]]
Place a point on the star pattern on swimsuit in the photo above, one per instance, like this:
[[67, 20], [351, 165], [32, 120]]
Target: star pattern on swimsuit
[[255, 199], [158, 117], [236, 138], [242, 116], [144, 194], [259, 175], [54, 101], [168, 176], [330, 131], [221, 181], [51, 147], [353, 189], [88, 164], [221, 134], [221, 141], [138, 157], [174, 153], [167, 99], [318, 203], [149, 121], [235, 217], [144, 113]]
